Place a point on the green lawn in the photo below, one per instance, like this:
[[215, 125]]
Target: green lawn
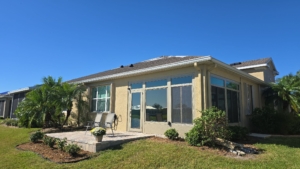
[[279, 153]]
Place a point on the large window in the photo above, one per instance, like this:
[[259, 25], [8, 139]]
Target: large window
[[156, 105], [249, 100], [182, 100], [225, 96], [177, 92], [156, 100], [101, 99]]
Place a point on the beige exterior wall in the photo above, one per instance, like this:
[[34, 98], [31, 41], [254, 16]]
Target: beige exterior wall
[[201, 99], [263, 73]]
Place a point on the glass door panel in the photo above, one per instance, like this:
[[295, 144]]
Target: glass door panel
[[135, 111]]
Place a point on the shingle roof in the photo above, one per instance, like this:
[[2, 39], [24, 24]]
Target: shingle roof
[[250, 62], [163, 60]]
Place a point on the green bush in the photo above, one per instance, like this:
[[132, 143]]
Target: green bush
[[61, 143], [238, 133], [211, 125], [36, 136], [11, 122], [171, 134], [49, 141], [72, 149], [268, 120]]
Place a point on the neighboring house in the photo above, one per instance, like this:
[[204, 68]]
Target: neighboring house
[[5, 104], [9, 101], [169, 91]]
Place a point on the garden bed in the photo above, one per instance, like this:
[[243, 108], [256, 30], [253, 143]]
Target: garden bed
[[218, 150], [54, 154]]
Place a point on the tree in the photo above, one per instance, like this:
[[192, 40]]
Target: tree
[[45, 103], [285, 91], [70, 93]]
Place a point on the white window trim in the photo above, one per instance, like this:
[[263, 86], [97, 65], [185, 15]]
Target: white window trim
[[107, 109], [168, 86]]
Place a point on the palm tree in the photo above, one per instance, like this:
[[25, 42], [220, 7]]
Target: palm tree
[[286, 90], [69, 94]]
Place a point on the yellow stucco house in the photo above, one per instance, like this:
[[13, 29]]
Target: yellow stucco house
[[170, 91]]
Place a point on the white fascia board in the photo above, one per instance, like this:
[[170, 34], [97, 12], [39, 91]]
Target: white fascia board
[[147, 70], [19, 90], [241, 73], [252, 66]]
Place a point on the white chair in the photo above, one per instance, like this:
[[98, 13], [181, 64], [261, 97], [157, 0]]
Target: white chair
[[96, 123], [110, 118]]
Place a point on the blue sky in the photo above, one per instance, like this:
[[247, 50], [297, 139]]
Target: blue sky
[[71, 38]]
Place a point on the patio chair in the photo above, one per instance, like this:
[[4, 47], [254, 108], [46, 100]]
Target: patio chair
[[110, 118], [96, 123]]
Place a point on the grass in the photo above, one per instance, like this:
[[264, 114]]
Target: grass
[[279, 153]]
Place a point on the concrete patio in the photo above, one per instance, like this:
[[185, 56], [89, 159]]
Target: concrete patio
[[87, 141]]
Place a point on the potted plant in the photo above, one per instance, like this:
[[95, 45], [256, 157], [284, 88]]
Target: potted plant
[[98, 133]]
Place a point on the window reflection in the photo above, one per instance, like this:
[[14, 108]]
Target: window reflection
[[156, 83], [156, 105], [136, 86], [181, 80], [216, 81]]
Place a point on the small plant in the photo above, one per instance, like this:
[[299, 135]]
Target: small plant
[[98, 131], [49, 141], [36, 136], [172, 134], [61, 143], [11, 122], [238, 133], [72, 149]]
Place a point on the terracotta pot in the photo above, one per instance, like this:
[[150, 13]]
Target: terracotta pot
[[98, 138]]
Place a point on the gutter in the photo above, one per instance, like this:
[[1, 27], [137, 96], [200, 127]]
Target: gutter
[[252, 66], [148, 70], [19, 90]]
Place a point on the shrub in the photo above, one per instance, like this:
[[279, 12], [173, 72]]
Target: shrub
[[211, 125], [61, 143], [171, 134], [72, 149], [36, 136], [11, 122], [238, 133], [49, 141], [268, 120]]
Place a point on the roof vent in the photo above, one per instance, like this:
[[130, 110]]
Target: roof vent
[[131, 65], [121, 66], [236, 63]]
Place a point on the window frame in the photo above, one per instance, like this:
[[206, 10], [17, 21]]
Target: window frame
[[107, 108], [251, 103], [225, 95], [168, 87]]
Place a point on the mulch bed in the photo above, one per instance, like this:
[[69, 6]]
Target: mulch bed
[[54, 154], [218, 150]]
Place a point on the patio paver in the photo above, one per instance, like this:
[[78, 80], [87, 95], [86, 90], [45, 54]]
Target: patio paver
[[88, 143]]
